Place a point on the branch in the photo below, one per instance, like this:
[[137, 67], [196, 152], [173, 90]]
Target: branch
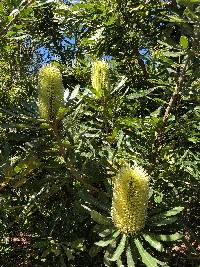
[[173, 101], [176, 94]]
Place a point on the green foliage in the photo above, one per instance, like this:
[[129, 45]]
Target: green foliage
[[56, 178]]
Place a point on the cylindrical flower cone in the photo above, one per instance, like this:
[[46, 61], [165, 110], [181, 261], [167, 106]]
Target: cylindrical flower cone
[[99, 77], [51, 92], [130, 199]]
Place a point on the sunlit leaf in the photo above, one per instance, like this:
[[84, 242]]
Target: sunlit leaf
[[147, 259], [99, 218], [153, 242], [119, 250], [129, 257], [184, 42], [167, 238]]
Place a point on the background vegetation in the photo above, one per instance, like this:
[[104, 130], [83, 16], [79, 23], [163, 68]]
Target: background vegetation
[[53, 179]]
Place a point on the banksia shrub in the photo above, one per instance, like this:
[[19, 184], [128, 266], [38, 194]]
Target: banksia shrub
[[99, 77], [130, 199], [51, 92]]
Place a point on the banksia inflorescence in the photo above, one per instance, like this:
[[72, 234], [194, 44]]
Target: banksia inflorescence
[[130, 199], [51, 92], [99, 77]]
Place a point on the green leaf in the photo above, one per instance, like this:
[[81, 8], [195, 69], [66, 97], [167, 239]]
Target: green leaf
[[147, 259], [173, 211], [139, 94], [184, 42], [153, 242], [167, 60], [162, 218], [172, 54], [99, 218], [187, 2], [108, 253], [167, 238], [106, 242], [88, 199], [110, 21], [176, 19], [106, 232], [163, 221], [190, 14], [119, 262], [94, 250], [129, 257], [120, 85], [120, 249], [158, 198]]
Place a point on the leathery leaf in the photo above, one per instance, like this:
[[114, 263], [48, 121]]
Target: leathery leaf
[[120, 248], [105, 242], [147, 259], [129, 257], [99, 218], [153, 242]]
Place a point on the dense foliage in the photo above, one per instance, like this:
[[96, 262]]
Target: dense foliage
[[131, 85]]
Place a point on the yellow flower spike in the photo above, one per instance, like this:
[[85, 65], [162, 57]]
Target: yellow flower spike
[[51, 92], [130, 199], [99, 77]]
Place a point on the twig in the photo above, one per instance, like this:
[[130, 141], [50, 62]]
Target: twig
[[176, 93]]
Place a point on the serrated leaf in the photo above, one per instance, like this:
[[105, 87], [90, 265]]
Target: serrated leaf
[[108, 253], [88, 199], [184, 42], [120, 85], [139, 94], [99, 218], [173, 211], [153, 242], [119, 262], [176, 19], [147, 259], [162, 218], [106, 242], [129, 257], [187, 2], [168, 238], [106, 232], [163, 221], [119, 249]]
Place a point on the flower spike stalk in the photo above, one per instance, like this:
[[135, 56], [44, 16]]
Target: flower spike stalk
[[130, 199], [51, 92], [99, 77]]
